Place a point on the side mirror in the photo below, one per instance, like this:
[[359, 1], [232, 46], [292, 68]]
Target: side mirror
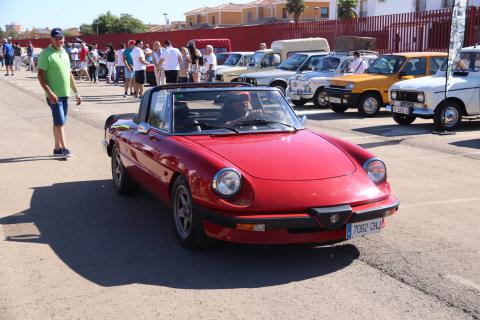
[[143, 128], [303, 119], [263, 64]]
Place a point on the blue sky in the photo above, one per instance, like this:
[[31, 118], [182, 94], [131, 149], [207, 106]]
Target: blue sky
[[52, 13]]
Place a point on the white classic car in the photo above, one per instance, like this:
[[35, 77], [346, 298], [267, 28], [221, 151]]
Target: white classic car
[[307, 86], [425, 97]]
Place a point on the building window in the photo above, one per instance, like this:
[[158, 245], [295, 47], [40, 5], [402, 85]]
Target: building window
[[213, 20], [420, 5], [284, 13], [448, 3], [324, 12], [363, 8], [249, 16]]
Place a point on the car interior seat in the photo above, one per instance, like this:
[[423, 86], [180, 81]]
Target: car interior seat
[[182, 120]]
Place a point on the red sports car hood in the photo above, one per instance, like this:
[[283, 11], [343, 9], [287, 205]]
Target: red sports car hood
[[281, 156]]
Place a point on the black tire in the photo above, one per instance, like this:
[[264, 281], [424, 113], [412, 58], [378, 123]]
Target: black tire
[[337, 108], [369, 104], [102, 71], [319, 99], [187, 224], [403, 119], [299, 103], [122, 182], [280, 86], [448, 116]]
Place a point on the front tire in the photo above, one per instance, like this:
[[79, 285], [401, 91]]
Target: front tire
[[102, 71], [282, 87], [299, 103], [338, 108], [319, 99], [188, 225], [369, 104], [403, 119], [448, 116], [122, 181]]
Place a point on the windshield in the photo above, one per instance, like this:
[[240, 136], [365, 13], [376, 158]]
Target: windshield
[[221, 58], [293, 63], [233, 60], [328, 64], [386, 65], [232, 111], [256, 59]]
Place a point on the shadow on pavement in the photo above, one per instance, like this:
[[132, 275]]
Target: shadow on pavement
[[27, 159], [473, 144], [330, 115], [113, 240]]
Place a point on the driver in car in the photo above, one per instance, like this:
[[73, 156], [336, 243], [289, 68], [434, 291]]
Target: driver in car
[[237, 108]]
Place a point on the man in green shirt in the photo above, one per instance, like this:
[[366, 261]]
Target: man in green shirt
[[56, 80]]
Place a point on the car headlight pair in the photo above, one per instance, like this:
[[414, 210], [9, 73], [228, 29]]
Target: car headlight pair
[[375, 170], [227, 182]]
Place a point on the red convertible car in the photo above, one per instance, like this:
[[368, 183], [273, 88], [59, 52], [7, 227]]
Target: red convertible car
[[235, 163]]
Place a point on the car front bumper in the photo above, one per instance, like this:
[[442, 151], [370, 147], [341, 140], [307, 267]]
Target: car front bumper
[[298, 94], [342, 97], [415, 111], [311, 226]]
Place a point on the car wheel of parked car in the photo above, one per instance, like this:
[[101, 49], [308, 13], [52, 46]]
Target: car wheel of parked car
[[282, 87], [299, 103], [369, 104], [403, 119], [448, 116], [188, 226], [319, 98], [122, 182], [338, 108], [102, 71]]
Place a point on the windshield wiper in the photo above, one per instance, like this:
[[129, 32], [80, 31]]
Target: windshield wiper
[[262, 121], [214, 126]]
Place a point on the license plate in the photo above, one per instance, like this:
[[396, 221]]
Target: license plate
[[294, 96], [403, 107], [359, 229], [335, 100]]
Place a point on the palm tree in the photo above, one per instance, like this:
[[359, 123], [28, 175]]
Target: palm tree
[[295, 8], [347, 9]]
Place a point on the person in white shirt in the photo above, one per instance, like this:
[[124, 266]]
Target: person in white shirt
[[74, 57], [358, 66], [172, 58], [119, 63], [210, 64], [139, 66], [159, 70]]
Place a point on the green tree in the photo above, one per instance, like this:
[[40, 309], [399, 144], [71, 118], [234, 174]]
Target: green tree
[[129, 24], [86, 29], [295, 8], [105, 23], [347, 9], [2, 33]]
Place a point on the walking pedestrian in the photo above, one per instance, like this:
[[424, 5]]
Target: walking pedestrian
[[83, 55], [57, 80], [110, 63], [184, 66], [195, 57], [97, 56], [139, 66], [172, 58], [358, 66], [7, 51], [210, 64], [127, 60], [119, 64], [17, 54], [30, 53], [74, 57], [158, 67], [92, 63]]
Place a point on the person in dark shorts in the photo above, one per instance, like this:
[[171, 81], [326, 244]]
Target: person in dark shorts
[[139, 66], [173, 59], [7, 51], [56, 79]]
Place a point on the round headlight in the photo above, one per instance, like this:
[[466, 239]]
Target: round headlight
[[420, 97], [349, 86], [376, 170], [227, 182], [393, 95]]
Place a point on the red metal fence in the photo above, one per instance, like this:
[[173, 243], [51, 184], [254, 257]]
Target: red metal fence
[[424, 31]]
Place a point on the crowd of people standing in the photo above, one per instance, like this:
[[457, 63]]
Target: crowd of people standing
[[11, 56]]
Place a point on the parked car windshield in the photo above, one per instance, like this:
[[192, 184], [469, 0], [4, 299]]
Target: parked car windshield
[[256, 59], [221, 58], [293, 63], [386, 65], [233, 60], [232, 112], [328, 64]]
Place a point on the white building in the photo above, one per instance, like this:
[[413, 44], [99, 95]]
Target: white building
[[368, 8]]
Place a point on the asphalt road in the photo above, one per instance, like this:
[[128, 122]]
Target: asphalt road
[[71, 248]]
